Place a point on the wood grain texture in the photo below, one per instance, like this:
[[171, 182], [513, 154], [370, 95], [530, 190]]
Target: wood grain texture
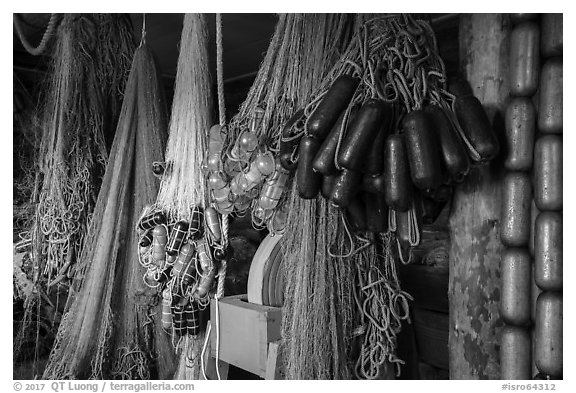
[[474, 282], [245, 331]]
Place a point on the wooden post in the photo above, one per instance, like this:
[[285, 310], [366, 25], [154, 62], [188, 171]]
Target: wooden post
[[474, 282]]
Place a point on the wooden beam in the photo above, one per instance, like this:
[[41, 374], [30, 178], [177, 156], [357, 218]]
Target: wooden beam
[[474, 282]]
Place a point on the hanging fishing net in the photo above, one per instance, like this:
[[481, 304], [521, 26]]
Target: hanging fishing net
[[81, 103], [380, 142], [243, 169], [177, 247], [110, 329]]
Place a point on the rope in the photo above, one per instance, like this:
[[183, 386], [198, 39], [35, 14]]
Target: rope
[[224, 226], [48, 33], [143, 35], [220, 70]]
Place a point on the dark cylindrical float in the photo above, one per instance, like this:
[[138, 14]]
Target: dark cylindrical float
[[516, 199], [515, 353], [524, 59], [423, 150], [548, 333], [520, 134], [548, 172], [398, 188], [516, 269], [550, 111], [548, 251]]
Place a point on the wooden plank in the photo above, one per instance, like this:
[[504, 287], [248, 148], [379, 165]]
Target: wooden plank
[[272, 361], [474, 285], [245, 331]]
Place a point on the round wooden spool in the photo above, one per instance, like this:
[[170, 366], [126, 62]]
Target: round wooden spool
[[266, 278]]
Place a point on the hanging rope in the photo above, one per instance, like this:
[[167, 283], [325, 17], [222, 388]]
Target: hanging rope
[[220, 70], [222, 117], [48, 33], [143, 35]]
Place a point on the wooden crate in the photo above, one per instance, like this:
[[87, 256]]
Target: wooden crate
[[246, 329]]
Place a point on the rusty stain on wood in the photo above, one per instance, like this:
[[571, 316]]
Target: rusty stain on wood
[[474, 283]]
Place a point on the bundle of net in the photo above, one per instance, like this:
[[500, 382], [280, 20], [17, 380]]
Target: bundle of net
[[111, 329], [79, 108], [182, 242], [243, 164], [348, 154]]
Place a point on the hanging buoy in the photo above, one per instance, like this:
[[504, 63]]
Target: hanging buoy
[[336, 99], [327, 185], [374, 162], [166, 311], [476, 129], [548, 333], [324, 159], [454, 156], [184, 257], [273, 188], [515, 301], [204, 256], [159, 240], [548, 172], [196, 227], [346, 186], [362, 132], [178, 320], [550, 104], [548, 251], [423, 150], [516, 199], [520, 132], [212, 219], [375, 184], [397, 185], [376, 212], [177, 237], [515, 353], [192, 317], [307, 180], [356, 214], [152, 220], [206, 281], [524, 59], [551, 37]]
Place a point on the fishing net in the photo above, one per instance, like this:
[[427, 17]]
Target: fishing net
[[175, 253], [303, 48], [109, 330], [82, 98], [247, 171], [395, 60]]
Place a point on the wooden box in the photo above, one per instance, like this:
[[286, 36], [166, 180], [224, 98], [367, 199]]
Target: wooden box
[[246, 329]]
